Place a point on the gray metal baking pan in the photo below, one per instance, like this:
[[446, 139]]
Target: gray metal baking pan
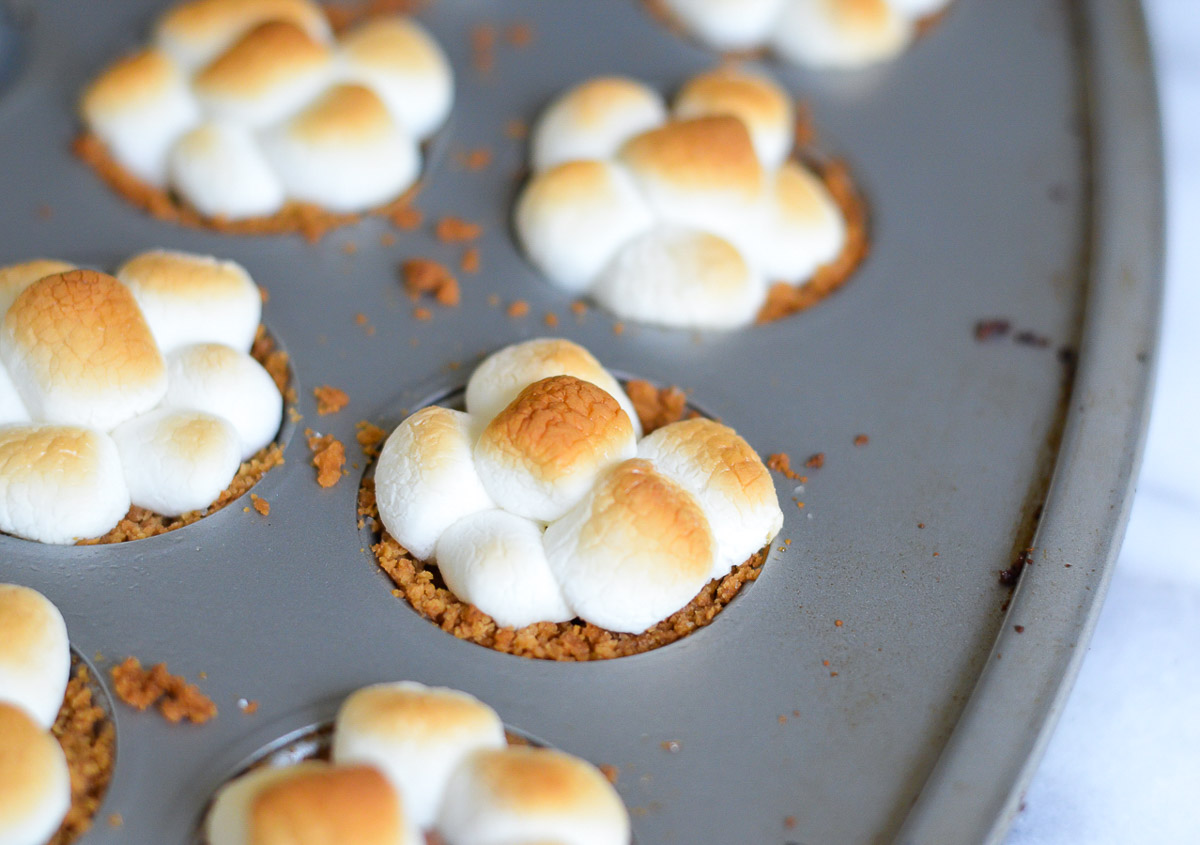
[[1011, 162]]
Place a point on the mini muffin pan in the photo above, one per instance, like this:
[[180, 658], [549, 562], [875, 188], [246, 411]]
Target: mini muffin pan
[[879, 682]]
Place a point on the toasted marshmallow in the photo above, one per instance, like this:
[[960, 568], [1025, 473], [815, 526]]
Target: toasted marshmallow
[[704, 173], [268, 74], [177, 461], [541, 454], [219, 380], [59, 484], [80, 352], [760, 104], [16, 277], [310, 803], [520, 795], [138, 107], [496, 382], [12, 409], [805, 227], [919, 8], [841, 33], [496, 561], [728, 480], [344, 152], [573, 218], [727, 24], [634, 551], [190, 299], [417, 736], [400, 61], [426, 480], [194, 33], [35, 654], [221, 171], [35, 786], [677, 276], [593, 120]]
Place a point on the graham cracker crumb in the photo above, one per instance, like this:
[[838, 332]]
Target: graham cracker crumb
[[656, 408], [176, 698], [116, 820], [387, 239], [249, 708], [815, 461], [455, 230], [474, 160], [516, 129], [579, 308], [423, 314], [551, 319], [470, 260], [618, 328], [519, 308], [407, 218], [329, 456], [349, 248], [424, 275], [610, 772], [330, 400], [781, 462], [260, 504], [88, 739], [519, 35], [861, 440], [483, 47], [369, 436]]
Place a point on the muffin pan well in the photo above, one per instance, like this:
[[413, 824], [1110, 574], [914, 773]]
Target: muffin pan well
[[872, 685]]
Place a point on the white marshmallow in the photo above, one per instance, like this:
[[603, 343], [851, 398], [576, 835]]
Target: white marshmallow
[[221, 171], [190, 299], [840, 33], [35, 784], [634, 551], [572, 219], [35, 654], [417, 736], [79, 351], [527, 795], [757, 101], [194, 33], [728, 480], [404, 65], [138, 107], [344, 152], [219, 380], [59, 484], [177, 461], [502, 375], [16, 277], [593, 120], [727, 24], [12, 409], [496, 561], [541, 454], [675, 276], [425, 479], [805, 226]]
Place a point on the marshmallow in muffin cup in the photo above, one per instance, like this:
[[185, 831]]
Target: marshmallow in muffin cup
[[138, 107], [636, 549], [541, 454], [727, 24], [593, 120], [344, 151], [35, 784], [426, 480], [403, 64], [417, 736], [272, 71], [526, 795], [496, 561], [841, 33], [222, 171], [573, 218], [196, 32], [177, 461], [35, 654], [79, 351], [16, 277], [59, 484], [222, 381], [762, 106], [679, 276], [728, 480], [190, 299], [310, 803], [805, 227]]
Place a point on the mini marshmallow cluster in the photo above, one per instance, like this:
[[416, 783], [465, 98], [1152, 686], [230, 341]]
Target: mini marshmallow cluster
[[241, 105], [818, 33], [539, 503], [677, 219], [35, 665], [137, 389], [408, 758]]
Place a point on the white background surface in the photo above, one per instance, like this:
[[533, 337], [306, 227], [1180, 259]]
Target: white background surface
[[1124, 763]]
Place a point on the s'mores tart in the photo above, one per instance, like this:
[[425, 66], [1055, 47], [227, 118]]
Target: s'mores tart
[[131, 400], [410, 765], [256, 116], [555, 528], [817, 33], [695, 216]]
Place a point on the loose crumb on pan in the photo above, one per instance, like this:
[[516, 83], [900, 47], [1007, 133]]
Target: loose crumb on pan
[[88, 739], [248, 707], [519, 35], [815, 461], [565, 641], [861, 440], [781, 462], [474, 160], [519, 308], [470, 262], [455, 230], [176, 698], [369, 437], [140, 523], [406, 217], [516, 129], [483, 47], [550, 319], [423, 314], [260, 504], [426, 276], [657, 407], [611, 773], [329, 456], [330, 399]]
